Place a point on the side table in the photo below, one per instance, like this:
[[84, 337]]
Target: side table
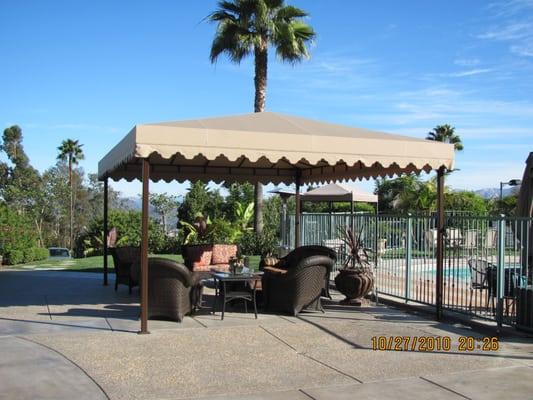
[[226, 293]]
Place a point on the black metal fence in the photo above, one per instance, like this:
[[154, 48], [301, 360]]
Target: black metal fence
[[487, 259]]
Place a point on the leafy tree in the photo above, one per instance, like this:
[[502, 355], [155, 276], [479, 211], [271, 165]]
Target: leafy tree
[[446, 134], [200, 200], [465, 201], [20, 183], [242, 193], [507, 205], [163, 204], [390, 190], [246, 27], [71, 152], [128, 226]]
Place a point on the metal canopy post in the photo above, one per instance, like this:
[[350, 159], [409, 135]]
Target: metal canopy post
[[297, 212], [440, 241], [106, 229], [351, 216], [144, 246]]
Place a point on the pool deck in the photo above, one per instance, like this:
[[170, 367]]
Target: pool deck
[[63, 335]]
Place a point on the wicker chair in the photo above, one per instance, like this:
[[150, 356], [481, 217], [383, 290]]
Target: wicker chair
[[170, 289], [298, 280], [123, 259]]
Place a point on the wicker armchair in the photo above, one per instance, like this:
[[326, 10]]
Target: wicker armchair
[[123, 259], [298, 280], [170, 289]]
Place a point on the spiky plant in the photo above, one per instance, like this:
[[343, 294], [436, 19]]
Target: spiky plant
[[357, 257]]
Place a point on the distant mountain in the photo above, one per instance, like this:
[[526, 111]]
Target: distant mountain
[[491, 193]]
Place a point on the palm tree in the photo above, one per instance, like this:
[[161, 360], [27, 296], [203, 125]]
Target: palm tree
[[446, 134], [70, 151], [246, 27]]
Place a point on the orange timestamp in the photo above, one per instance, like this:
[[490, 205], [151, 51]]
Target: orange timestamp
[[435, 343]]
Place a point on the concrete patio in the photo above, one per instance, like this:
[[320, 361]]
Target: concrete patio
[[63, 335]]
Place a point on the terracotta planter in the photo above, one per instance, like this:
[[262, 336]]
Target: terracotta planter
[[354, 284]]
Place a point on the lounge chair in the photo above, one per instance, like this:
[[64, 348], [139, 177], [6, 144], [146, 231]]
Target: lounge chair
[[170, 289], [298, 280], [123, 259], [480, 279], [470, 239]]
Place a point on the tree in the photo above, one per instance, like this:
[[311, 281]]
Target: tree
[[70, 151], [466, 201], [246, 27], [237, 193], [164, 204], [446, 134], [200, 200], [20, 183]]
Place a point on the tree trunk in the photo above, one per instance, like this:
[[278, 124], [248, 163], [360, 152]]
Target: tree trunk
[[260, 81], [71, 201]]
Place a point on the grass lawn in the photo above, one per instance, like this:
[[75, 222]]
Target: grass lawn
[[96, 264]]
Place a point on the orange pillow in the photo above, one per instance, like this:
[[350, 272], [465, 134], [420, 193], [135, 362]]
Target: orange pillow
[[199, 256], [223, 252]]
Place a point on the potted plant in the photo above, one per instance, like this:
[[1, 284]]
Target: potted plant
[[355, 279]]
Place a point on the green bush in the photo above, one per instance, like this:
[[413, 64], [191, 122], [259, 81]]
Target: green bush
[[18, 238], [40, 253], [254, 244], [13, 257], [128, 226]]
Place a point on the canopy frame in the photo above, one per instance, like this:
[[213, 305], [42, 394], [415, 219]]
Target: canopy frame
[[199, 150]]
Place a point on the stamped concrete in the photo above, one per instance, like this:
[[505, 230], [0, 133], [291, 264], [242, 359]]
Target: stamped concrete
[[70, 337]]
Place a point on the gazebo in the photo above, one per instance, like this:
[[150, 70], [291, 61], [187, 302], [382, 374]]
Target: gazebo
[[267, 148]]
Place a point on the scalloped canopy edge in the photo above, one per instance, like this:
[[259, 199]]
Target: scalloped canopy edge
[[268, 148]]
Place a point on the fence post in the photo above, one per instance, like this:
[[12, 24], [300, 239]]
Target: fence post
[[500, 274], [376, 258], [408, 256]]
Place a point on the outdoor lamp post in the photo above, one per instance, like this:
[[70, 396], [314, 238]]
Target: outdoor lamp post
[[512, 182], [284, 194]]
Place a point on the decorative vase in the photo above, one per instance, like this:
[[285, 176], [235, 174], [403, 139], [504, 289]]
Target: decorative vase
[[354, 284]]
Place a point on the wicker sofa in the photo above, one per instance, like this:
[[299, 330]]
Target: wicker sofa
[[201, 258], [172, 289], [298, 280], [124, 258]]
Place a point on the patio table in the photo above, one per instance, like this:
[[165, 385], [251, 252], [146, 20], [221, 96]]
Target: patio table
[[226, 291]]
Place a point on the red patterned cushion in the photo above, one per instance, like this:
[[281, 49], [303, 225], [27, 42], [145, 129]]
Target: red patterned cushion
[[199, 256], [201, 268], [220, 267], [223, 252]]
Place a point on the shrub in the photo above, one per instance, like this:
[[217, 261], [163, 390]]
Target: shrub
[[18, 238], [13, 257], [40, 253], [254, 244], [128, 225]]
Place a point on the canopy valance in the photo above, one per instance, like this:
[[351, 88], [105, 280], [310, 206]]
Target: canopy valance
[[268, 147], [264, 147], [337, 192]]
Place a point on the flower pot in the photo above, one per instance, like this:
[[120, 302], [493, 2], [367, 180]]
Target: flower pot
[[354, 284]]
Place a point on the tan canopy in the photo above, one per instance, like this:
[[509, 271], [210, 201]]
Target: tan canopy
[[268, 147], [264, 147], [339, 192]]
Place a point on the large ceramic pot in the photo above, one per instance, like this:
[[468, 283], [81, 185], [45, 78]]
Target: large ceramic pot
[[354, 284]]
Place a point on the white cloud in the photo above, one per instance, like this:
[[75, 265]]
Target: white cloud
[[512, 31], [470, 72]]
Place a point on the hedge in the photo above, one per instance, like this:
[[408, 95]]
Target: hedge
[[17, 256]]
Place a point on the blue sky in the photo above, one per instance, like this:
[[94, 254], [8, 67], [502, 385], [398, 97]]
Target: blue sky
[[92, 70]]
